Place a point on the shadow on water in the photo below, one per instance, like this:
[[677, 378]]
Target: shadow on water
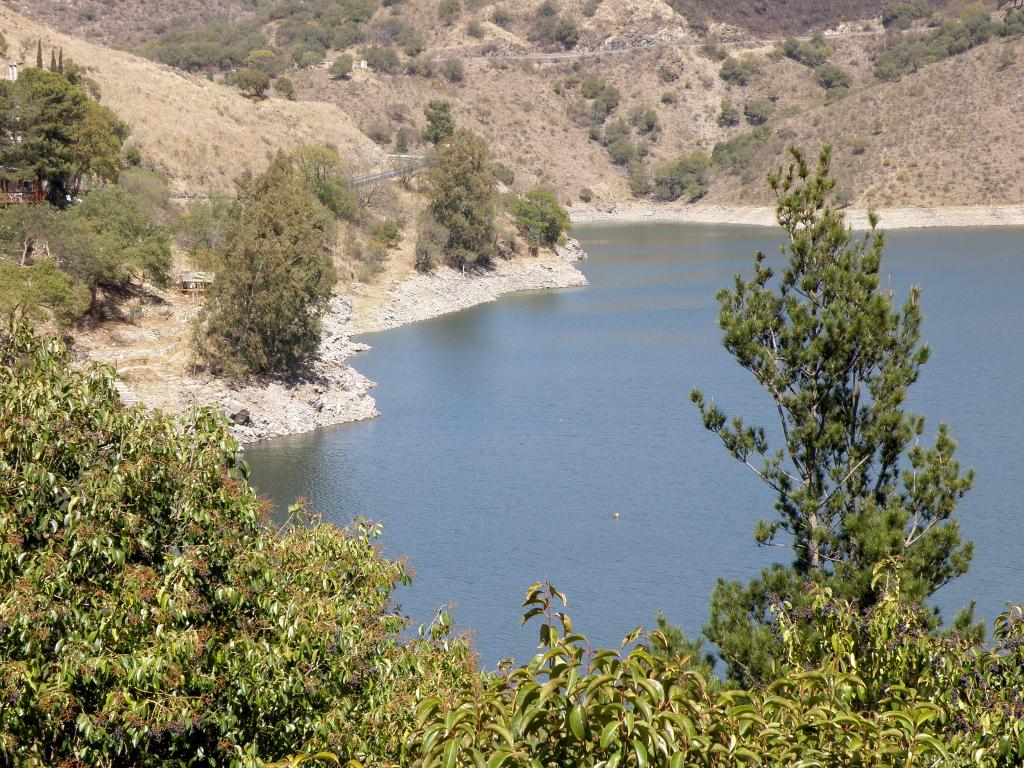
[[514, 431]]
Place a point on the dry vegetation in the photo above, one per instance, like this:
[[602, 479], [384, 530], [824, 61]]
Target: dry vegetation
[[201, 134]]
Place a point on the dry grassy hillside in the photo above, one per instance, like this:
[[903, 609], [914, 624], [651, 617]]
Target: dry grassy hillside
[[200, 133], [949, 134], [125, 23]]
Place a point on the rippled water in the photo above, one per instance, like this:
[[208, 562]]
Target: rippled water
[[514, 431]]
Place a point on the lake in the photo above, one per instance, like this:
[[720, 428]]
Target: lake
[[513, 432]]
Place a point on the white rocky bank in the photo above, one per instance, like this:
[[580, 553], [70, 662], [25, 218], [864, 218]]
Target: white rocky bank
[[336, 393]]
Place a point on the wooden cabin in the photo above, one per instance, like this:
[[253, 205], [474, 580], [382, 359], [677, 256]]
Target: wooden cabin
[[21, 192], [194, 282]]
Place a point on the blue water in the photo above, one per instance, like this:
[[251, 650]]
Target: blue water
[[513, 431]]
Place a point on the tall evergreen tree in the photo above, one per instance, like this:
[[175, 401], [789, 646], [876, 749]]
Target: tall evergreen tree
[[60, 61], [53, 60], [263, 314], [463, 198], [39, 54], [852, 483]]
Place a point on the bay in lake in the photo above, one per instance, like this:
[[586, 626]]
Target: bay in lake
[[514, 431]]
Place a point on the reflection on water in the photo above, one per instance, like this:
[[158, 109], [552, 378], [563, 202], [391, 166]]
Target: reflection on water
[[514, 431]]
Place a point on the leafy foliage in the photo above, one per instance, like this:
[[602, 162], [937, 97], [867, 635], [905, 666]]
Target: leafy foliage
[[149, 615], [440, 121], [686, 177], [463, 198], [540, 218], [275, 274], [853, 486], [50, 128], [873, 690]]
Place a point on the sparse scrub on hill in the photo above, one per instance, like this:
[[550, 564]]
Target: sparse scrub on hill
[[550, 26], [382, 59], [341, 67], [728, 115], [219, 46], [975, 27], [740, 70], [903, 15], [736, 155], [811, 53], [758, 111], [685, 177]]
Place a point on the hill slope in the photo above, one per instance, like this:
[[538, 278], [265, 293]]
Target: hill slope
[[199, 133]]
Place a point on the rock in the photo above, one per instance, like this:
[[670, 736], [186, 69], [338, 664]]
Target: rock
[[242, 418], [572, 251]]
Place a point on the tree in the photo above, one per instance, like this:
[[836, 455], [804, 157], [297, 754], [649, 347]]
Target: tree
[[264, 60], [107, 240], [440, 122], [852, 484], [758, 111], [263, 312], [147, 601], [540, 218], [51, 129], [463, 196], [252, 82], [39, 54], [39, 291], [341, 67]]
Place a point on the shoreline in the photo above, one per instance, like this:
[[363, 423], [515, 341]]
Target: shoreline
[[764, 216], [334, 392]]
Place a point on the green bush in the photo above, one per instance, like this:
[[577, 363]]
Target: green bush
[[737, 154], [382, 59], [740, 71], [685, 177], [831, 77], [150, 614], [902, 15], [758, 111], [252, 82], [540, 218], [341, 67], [285, 87], [728, 115]]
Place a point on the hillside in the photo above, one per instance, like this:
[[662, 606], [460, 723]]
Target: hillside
[[944, 136], [201, 134]]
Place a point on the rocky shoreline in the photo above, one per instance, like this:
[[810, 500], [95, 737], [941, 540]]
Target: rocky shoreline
[[764, 216], [336, 393]]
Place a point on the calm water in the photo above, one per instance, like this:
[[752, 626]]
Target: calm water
[[512, 433]]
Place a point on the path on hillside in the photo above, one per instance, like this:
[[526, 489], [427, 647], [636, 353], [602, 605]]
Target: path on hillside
[[612, 51]]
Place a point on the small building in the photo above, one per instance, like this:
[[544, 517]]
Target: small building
[[15, 190], [362, 64], [12, 70], [194, 282]]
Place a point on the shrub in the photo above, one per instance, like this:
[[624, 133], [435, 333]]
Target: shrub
[[475, 29], [448, 11], [382, 59], [540, 218], [728, 115], [387, 233], [902, 15], [501, 17], [758, 111], [736, 154], [341, 67], [504, 174], [831, 77], [440, 121], [812, 53], [739, 71], [453, 71], [685, 177], [586, 195], [638, 177], [669, 97], [285, 87], [695, 16], [252, 82]]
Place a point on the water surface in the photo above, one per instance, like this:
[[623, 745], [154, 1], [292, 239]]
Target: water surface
[[512, 432]]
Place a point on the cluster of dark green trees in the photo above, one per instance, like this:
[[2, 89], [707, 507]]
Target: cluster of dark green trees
[[150, 615]]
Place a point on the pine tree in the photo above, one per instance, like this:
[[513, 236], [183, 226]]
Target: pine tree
[[53, 61], [853, 486], [60, 61], [39, 54]]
